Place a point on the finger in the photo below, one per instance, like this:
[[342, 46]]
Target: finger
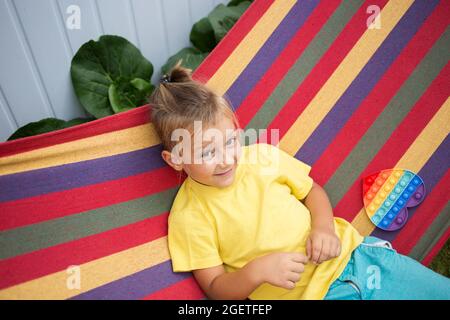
[[293, 276], [297, 267], [299, 258], [336, 249], [339, 248], [308, 248], [289, 285], [325, 252], [333, 249], [316, 250]]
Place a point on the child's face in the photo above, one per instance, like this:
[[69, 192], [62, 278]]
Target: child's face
[[216, 152]]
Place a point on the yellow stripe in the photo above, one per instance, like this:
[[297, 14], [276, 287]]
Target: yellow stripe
[[93, 274], [103, 145], [416, 156], [249, 46], [342, 77]]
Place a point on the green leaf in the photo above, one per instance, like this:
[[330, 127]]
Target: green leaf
[[223, 18], [76, 121], [191, 59], [233, 3], [141, 85], [121, 96], [202, 35], [46, 125], [99, 64], [205, 36]]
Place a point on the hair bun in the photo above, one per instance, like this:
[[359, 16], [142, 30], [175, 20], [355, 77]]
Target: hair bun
[[178, 74]]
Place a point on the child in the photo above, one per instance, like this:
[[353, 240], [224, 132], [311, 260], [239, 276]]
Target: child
[[249, 221]]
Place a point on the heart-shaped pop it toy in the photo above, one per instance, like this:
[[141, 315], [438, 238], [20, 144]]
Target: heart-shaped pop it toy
[[387, 195]]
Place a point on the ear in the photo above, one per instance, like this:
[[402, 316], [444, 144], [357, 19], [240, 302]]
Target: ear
[[167, 157]]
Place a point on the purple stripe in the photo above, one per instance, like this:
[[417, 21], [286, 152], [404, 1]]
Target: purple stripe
[[366, 80], [271, 49], [65, 177], [137, 285], [431, 174]]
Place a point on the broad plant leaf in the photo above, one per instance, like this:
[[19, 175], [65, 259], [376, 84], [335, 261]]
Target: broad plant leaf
[[202, 35], [141, 84], [112, 60], [233, 3], [208, 31], [223, 18], [46, 125]]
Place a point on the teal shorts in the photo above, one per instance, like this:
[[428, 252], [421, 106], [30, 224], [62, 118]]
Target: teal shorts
[[377, 272]]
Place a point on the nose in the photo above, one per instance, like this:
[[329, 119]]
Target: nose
[[228, 158]]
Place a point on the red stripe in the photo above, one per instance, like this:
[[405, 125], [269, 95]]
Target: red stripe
[[424, 216], [55, 205], [53, 259], [323, 70], [400, 140], [232, 39], [382, 93], [437, 247], [259, 94], [112, 123], [186, 289]]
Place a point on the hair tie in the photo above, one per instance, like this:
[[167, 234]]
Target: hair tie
[[165, 78]]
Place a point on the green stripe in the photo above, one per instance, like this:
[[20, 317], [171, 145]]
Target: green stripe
[[394, 113], [37, 236], [304, 64], [434, 232]]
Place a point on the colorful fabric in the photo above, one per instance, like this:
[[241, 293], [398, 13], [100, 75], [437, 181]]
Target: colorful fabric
[[377, 272], [347, 100]]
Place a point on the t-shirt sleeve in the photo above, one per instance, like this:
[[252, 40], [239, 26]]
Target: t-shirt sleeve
[[192, 241], [294, 171]]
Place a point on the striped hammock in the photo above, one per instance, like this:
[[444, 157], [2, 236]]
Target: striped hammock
[[83, 211]]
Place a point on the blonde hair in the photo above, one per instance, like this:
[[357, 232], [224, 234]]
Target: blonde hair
[[182, 100]]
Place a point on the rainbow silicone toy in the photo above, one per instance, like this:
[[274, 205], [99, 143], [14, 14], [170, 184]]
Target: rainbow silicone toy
[[387, 195]]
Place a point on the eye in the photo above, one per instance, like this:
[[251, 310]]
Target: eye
[[206, 154], [231, 139]]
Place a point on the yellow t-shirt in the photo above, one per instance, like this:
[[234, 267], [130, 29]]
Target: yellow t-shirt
[[258, 214]]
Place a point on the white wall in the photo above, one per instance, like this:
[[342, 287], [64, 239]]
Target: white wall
[[36, 48]]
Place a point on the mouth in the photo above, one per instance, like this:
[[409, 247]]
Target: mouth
[[224, 173]]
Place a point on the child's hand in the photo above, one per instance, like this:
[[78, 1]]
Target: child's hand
[[281, 269], [322, 244]]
